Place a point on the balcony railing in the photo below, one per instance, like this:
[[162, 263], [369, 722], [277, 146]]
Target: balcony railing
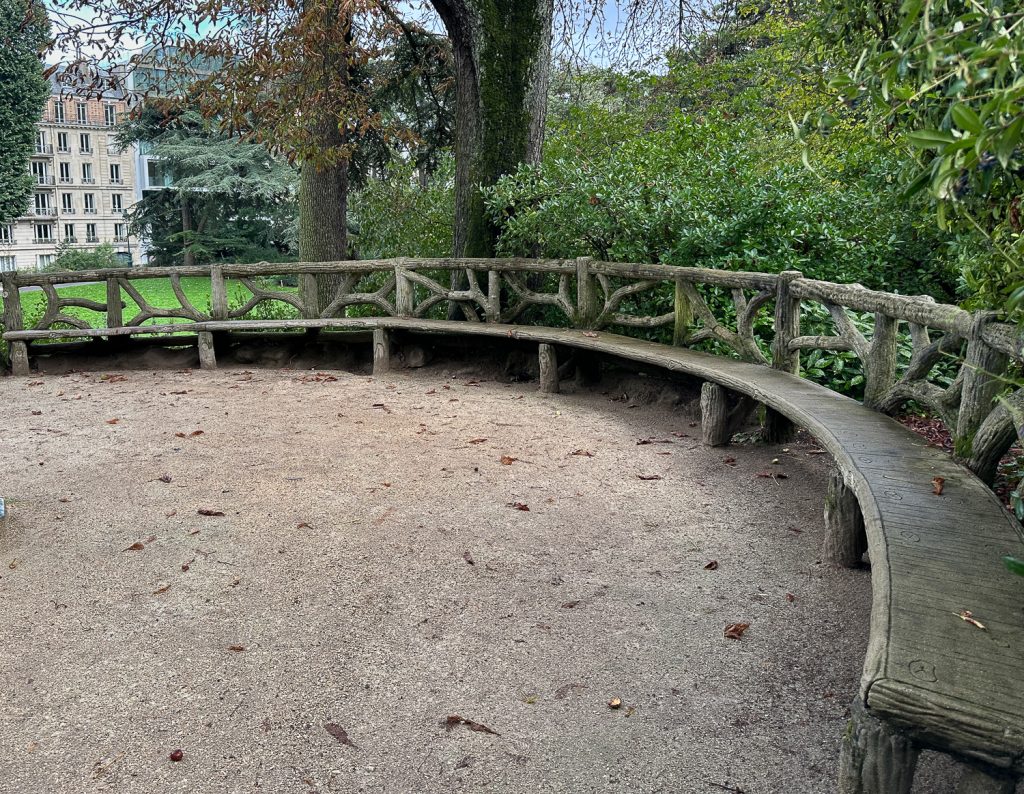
[[71, 239], [89, 210], [85, 151], [44, 149], [116, 180], [88, 180], [44, 179], [113, 151], [92, 239], [120, 238], [67, 210], [64, 150], [44, 211], [67, 180], [42, 240]]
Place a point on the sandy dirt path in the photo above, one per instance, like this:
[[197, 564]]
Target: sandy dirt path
[[372, 575]]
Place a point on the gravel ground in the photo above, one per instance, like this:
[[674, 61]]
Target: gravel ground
[[375, 572]]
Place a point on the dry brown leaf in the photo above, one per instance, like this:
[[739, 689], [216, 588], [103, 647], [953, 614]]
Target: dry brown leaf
[[790, 597], [584, 453], [590, 334], [729, 461], [163, 589], [937, 484], [477, 440], [236, 648], [614, 703], [735, 630], [468, 558], [340, 734], [136, 546], [571, 604], [455, 719], [303, 525], [711, 566], [519, 506], [112, 421], [508, 460], [649, 477], [206, 511]]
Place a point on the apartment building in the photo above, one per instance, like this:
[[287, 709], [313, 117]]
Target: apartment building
[[84, 184]]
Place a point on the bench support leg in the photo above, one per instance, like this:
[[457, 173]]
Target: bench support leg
[[714, 415], [977, 781], [588, 368], [777, 429], [845, 539], [207, 355], [875, 759], [19, 358], [548, 368], [381, 351]]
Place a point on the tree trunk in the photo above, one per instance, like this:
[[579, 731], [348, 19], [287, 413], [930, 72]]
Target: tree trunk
[[188, 259], [502, 61]]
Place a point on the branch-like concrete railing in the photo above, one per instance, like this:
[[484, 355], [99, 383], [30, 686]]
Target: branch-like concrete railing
[[592, 295]]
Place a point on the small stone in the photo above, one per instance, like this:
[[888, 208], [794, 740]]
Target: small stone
[[614, 703], [177, 755]]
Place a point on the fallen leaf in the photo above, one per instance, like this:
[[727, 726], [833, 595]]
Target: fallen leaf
[[519, 506], [112, 421], [465, 762], [454, 720], [530, 700], [468, 558], [630, 710], [13, 564], [584, 453], [477, 440], [968, 617], [186, 565], [176, 755], [649, 477], [303, 525], [590, 334], [37, 413], [206, 511], [571, 604], [711, 566], [735, 630], [652, 440], [614, 703], [790, 597], [729, 461], [937, 483], [136, 546], [340, 734], [163, 589], [508, 460], [236, 648]]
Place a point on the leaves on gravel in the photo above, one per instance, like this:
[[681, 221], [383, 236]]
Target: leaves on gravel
[[176, 755], [508, 460], [968, 617], [711, 566], [193, 434], [113, 421], [455, 720], [236, 648], [340, 734], [206, 511], [163, 589], [735, 630], [519, 506], [583, 453], [468, 558], [937, 485], [477, 440], [615, 703], [649, 477]]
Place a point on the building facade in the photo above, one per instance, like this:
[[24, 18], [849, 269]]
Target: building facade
[[84, 185]]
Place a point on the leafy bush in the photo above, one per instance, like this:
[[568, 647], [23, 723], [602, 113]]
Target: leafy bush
[[101, 257]]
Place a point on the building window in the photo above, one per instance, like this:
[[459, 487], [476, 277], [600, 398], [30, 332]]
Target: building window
[[115, 174], [69, 233], [43, 233], [65, 174], [42, 204], [83, 113], [58, 111], [8, 263], [87, 178], [67, 203], [109, 115], [84, 143], [90, 203], [39, 172], [120, 233], [41, 147], [115, 202], [90, 233], [6, 233], [62, 142], [43, 261]]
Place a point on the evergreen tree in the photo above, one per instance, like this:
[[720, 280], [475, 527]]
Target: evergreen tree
[[24, 33]]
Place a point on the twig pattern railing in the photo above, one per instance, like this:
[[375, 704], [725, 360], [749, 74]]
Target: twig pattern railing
[[593, 295]]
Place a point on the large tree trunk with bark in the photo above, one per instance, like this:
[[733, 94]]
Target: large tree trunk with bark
[[502, 61]]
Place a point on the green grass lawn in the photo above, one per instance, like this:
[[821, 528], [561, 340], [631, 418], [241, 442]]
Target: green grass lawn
[[156, 292]]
